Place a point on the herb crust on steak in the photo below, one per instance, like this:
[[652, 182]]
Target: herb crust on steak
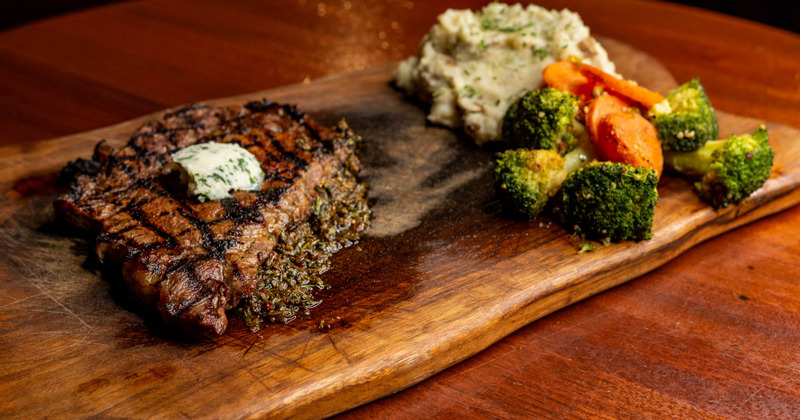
[[194, 260]]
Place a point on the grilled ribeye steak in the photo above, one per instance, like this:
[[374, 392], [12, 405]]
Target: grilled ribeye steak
[[194, 259]]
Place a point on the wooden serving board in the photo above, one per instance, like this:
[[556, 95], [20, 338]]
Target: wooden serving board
[[441, 275]]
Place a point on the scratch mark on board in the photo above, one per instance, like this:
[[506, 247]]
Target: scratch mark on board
[[250, 347], [496, 245], [342, 352], [45, 292], [305, 348]]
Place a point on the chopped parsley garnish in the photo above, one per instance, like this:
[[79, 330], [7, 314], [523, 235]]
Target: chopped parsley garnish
[[290, 276], [469, 91], [587, 247], [489, 24]]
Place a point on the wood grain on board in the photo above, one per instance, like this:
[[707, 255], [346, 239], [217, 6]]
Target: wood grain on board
[[441, 275]]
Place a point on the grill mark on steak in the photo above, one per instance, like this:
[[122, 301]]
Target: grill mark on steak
[[137, 214], [273, 195], [194, 260], [216, 247], [244, 214], [286, 155]]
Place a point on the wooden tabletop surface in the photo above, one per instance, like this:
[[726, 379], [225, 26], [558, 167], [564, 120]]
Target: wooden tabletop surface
[[713, 333]]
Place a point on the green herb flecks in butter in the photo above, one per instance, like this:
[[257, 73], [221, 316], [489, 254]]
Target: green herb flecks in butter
[[213, 170]]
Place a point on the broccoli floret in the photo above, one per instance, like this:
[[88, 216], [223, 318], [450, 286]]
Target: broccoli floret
[[728, 170], [526, 179], [685, 121], [609, 201], [542, 119]]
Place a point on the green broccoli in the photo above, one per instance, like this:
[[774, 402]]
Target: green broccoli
[[542, 119], [526, 179], [609, 201], [685, 121], [728, 170]]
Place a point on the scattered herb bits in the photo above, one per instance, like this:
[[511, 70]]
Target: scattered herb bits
[[288, 279]]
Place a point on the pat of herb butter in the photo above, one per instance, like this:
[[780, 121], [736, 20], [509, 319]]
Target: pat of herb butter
[[213, 170]]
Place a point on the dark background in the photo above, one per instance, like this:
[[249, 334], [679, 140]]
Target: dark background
[[783, 14], [779, 13]]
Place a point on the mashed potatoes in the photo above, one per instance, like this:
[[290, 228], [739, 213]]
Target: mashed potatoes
[[473, 65]]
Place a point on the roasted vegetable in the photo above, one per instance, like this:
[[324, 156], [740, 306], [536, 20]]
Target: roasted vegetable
[[727, 171], [581, 79], [626, 89], [566, 77], [610, 202], [526, 179], [542, 119], [613, 114], [600, 107], [627, 137], [685, 120]]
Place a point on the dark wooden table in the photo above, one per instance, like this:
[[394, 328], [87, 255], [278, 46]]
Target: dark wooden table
[[715, 332]]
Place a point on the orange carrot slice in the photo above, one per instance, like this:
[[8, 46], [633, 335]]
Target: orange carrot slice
[[635, 93], [567, 77], [601, 106], [628, 137]]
